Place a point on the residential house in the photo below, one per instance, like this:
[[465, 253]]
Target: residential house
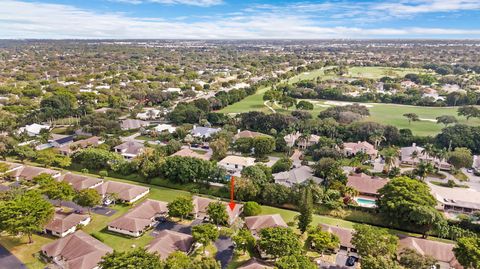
[[165, 127], [33, 129], [344, 235], [69, 149], [81, 182], [235, 164], [166, 242], [130, 149], [203, 132], [256, 223], [407, 156], [200, 205], [76, 251], [139, 219], [456, 200], [65, 223], [408, 84], [367, 187], [125, 192], [174, 90], [290, 139], [442, 252], [27, 172], [10, 167], [59, 141], [296, 176], [308, 141], [186, 152], [149, 114], [132, 124], [255, 263], [247, 134], [351, 149]]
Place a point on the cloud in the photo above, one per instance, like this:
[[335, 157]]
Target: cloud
[[41, 20], [200, 3], [410, 7]]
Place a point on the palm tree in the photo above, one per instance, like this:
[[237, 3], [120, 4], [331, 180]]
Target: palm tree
[[423, 169], [428, 150], [390, 155], [414, 156]]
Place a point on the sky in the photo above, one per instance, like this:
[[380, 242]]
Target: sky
[[240, 19]]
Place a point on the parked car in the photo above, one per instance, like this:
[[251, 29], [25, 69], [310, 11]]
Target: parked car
[[351, 261]]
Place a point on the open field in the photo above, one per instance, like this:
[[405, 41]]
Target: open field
[[382, 113]]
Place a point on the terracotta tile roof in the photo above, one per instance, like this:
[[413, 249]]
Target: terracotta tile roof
[[81, 182], [256, 223], [140, 217], [249, 134], [124, 191], [169, 241], [440, 251], [366, 184], [345, 235], [255, 263], [186, 152], [78, 250], [360, 146], [62, 222]]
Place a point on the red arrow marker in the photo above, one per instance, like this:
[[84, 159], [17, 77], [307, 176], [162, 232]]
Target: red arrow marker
[[232, 187]]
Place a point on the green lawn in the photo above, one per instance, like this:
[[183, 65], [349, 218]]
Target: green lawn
[[382, 113], [393, 114]]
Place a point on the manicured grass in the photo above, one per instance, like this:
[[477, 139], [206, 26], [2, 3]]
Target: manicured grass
[[392, 114], [27, 253], [252, 102]]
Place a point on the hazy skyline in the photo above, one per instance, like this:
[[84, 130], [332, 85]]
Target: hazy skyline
[[223, 19]]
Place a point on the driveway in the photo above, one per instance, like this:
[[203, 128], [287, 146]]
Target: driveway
[[173, 226], [8, 260], [224, 247], [341, 260]]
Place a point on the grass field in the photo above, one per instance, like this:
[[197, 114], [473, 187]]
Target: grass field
[[382, 113]]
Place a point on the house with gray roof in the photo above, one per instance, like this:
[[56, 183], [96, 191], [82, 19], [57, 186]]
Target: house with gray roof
[[296, 176]]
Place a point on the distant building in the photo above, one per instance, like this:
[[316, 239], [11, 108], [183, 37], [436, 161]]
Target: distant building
[[235, 164], [204, 132], [186, 152], [132, 124], [80, 144], [290, 139], [130, 149], [456, 200], [165, 127], [247, 134], [407, 157], [33, 129], [296, 176], [351, 149], [149, 114], [166, 242], [76, 251]]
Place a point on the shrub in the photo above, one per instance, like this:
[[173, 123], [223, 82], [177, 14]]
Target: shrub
[[251, 209]]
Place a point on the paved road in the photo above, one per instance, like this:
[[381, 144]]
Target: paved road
[[8, 260], [224, 247]]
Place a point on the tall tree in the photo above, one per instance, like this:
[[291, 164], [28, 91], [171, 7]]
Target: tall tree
[[322, 241], [279, 242], [244, 240], [411, 259], [306, 209], [125, 259], [446, 119], [26, 213], [219, 148], [88, 198], [411, 117], [180, 207], [205, 234], [295, 262], [467, 252], [61, 191], [217, 212], [468, 112]]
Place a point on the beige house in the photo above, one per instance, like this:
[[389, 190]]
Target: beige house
[[442, 252], [200, 205], [456, 200], [247, 134], [130, 149], [366, 185], [27, 172], [132, 124], [256, 223], [414, 154], [168, 242], [81, 182], [125, 192], [186, 152], [64, 223], [235, 164], [76, 251], [351, 149], [139, 219], [296, 176]]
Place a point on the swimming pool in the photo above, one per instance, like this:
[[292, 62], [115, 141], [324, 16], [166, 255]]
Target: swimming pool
[[365, 202]]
